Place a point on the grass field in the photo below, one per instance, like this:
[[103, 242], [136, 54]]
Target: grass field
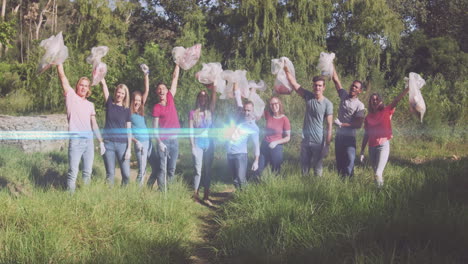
[[420, 216]]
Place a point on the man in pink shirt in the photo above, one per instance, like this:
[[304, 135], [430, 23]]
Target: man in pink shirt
[[81, 125], [166, 125]]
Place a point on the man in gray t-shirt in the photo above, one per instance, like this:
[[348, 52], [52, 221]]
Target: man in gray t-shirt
[[350, 118], [314, 146]]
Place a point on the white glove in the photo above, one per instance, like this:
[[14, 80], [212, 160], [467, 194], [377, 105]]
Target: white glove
[[255, 166], [361, 158], [194, 150], [102, 148], [325, 150], [144, 69], [337, 122], [273, 145], [128, 153], [162, 147], [139, 146]]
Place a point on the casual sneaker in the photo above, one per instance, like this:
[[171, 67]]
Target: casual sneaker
[[208, 202]]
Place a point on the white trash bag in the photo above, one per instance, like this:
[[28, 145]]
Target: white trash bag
[[325, 64], [260, 86], [239, 77], [186, 58], [211, 74], [259, 105], [99, 68], [56, 52], [416, 101], [282, 85]]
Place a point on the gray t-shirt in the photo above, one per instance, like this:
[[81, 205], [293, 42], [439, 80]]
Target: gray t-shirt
[[316, 112], [350, 108]]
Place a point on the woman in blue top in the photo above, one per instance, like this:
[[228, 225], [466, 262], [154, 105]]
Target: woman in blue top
[[117, 132], [139, 129]]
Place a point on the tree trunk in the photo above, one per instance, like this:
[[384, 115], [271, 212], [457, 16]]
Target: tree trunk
[[3, 19]]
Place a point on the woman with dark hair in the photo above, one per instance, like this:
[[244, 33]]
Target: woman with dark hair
[[378, 132], [117, 132], [277, 132], [200, 121], [139, 129]]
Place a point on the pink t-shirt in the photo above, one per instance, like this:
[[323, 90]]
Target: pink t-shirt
[[167, 116], [275, 127], [379, 126], [79, 112]]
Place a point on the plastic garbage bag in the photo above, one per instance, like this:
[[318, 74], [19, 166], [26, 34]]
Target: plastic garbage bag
[[325, 64], [260, 86], [211, 74], [99, 68], [55, 52], [282, 85], [259, 105], [186, 58], [416, 101], [239, 77]]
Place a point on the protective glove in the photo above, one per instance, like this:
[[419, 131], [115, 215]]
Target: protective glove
[[325, 150], [139, 146], [338, 123], [255, 166], [144, 69], [128, 154], [361, 158], [162, 147], [102, 148], [273, 145]]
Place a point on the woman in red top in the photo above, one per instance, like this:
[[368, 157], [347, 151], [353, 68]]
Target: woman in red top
[[378, 132], [277, 132]]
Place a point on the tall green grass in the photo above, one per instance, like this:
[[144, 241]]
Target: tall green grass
[[420, 216], [42, 223]]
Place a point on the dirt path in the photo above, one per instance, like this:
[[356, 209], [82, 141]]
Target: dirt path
[[204, 252]]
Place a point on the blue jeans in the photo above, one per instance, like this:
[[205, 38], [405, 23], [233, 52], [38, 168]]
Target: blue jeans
[[142, 159], [345, 153], [378, 157], [116, 150], [164, 163], [269, 156], [237, 164], [79, 149], [202, 160], [311, 157]]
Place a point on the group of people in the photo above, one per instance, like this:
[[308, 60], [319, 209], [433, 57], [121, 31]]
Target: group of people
[[125, 124]]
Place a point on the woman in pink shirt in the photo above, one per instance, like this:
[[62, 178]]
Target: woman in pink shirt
[[277, 132], [378, 132]]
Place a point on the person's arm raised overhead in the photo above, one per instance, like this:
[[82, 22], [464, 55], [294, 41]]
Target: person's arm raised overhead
[[175, 79], [336, 80], [63, 79], [105, 89], [397, 99], [145, 70], [214, 97], [293, 81]]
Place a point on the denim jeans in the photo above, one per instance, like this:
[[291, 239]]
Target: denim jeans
[[311, 157], [269, 156], [79, 149], [378, 157], [237, 164], [164, 163], [142, 159], [202, 160], [345, 153], [116, 150]]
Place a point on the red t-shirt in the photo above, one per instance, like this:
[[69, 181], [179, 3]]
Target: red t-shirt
[[275, 127], [167, 116], [379, 126]]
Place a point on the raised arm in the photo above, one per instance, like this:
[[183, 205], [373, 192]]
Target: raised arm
[[175, 79], [399, 97], [293, 81], [145, 70], [105, 90], [336, 80], [214, 97], [63, 79]]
